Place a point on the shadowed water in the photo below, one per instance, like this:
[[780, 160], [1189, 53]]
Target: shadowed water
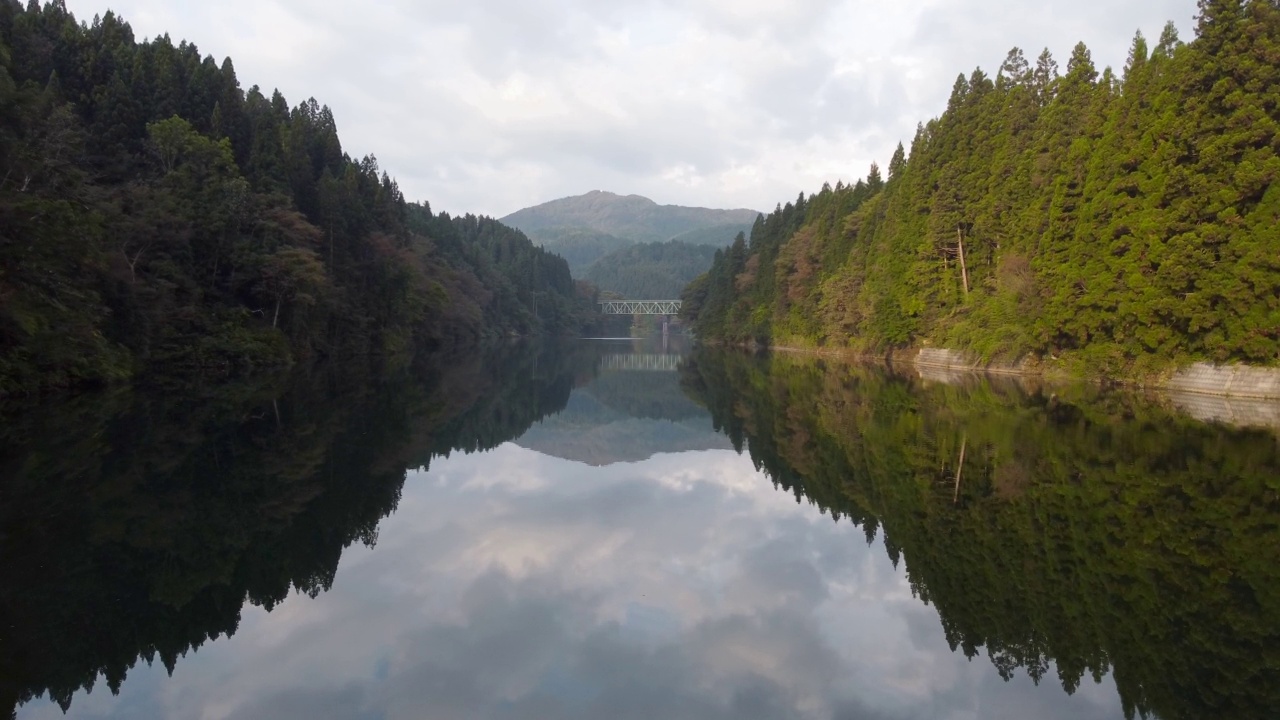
[[553, 532]]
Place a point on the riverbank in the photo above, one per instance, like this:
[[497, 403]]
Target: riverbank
[[1227, 381], [1240, 382], [1240, 396]]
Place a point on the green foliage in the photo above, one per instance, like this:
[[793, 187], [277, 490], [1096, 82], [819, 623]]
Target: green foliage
[[154, 216], [580, 247], [1126, 222]]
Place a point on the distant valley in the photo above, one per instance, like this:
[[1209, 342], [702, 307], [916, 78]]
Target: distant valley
[[630, 244]]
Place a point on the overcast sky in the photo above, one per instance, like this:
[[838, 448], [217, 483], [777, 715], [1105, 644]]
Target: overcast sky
[[490, 106]]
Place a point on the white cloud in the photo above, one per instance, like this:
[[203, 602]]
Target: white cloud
[[491, 106]]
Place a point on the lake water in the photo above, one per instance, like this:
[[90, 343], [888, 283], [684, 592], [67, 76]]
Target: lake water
[[632, 530]]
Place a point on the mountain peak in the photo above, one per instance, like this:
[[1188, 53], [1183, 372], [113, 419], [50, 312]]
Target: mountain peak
[[632, 218], [584, 228]]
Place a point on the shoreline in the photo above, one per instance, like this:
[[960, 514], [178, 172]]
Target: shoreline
[[1236, 382]]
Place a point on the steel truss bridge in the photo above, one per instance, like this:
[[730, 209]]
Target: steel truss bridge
[[640, 307], [651, 362]]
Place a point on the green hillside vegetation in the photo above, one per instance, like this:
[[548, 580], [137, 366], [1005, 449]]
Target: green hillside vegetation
[[1089, 533], [716, 235], [650, 271], [1127, 221], [155, 215], [580, 247]]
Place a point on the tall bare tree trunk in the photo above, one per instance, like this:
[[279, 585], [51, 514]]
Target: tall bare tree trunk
[[964, 272]]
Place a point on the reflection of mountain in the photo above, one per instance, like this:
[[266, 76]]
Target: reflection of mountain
[[1092, 534], [589, 431], [625, 416]]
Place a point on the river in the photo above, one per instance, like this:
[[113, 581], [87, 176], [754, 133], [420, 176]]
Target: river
[[635, 530]]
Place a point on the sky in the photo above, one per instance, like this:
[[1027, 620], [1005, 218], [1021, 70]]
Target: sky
[[489, 106]]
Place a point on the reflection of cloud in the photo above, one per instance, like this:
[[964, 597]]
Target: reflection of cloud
[[493, 105], [595, 593]]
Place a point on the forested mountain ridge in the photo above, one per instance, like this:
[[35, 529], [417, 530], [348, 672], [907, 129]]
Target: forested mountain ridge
[[587, 227], [1129, 221], [631, 217], [154, 214]]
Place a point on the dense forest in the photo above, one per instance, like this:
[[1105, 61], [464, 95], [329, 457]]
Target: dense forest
[[1128, 221], [1093, 533], [155, 214], [138, 520], [650, 271]]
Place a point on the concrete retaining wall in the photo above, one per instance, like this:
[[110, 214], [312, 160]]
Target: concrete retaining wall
[[948, 359], [1227, 381]]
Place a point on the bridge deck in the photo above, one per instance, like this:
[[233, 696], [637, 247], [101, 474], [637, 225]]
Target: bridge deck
[[640, 307]]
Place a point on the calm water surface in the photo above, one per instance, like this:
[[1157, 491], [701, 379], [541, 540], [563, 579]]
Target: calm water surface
[[570, 533]]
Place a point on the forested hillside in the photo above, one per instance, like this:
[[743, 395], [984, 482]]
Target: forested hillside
[[154, 214], [632, 217], [1126, 220], [650, 271]]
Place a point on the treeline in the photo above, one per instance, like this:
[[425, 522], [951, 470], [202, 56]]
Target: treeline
[[650, 271], [153, 213], [1125, 220], [1079, 535]]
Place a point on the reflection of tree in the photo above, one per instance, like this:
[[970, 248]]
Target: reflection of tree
[[135, 525], [1102, 534]]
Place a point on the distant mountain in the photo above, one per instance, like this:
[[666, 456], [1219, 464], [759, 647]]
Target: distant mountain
[[587, 227], [651, 271]]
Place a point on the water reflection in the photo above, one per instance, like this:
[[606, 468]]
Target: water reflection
[[134, 525], [630, 410], [1062, 536], [1096, 543]]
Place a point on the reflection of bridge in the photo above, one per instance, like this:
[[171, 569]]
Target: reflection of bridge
[[649, 362], [640, 307]]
